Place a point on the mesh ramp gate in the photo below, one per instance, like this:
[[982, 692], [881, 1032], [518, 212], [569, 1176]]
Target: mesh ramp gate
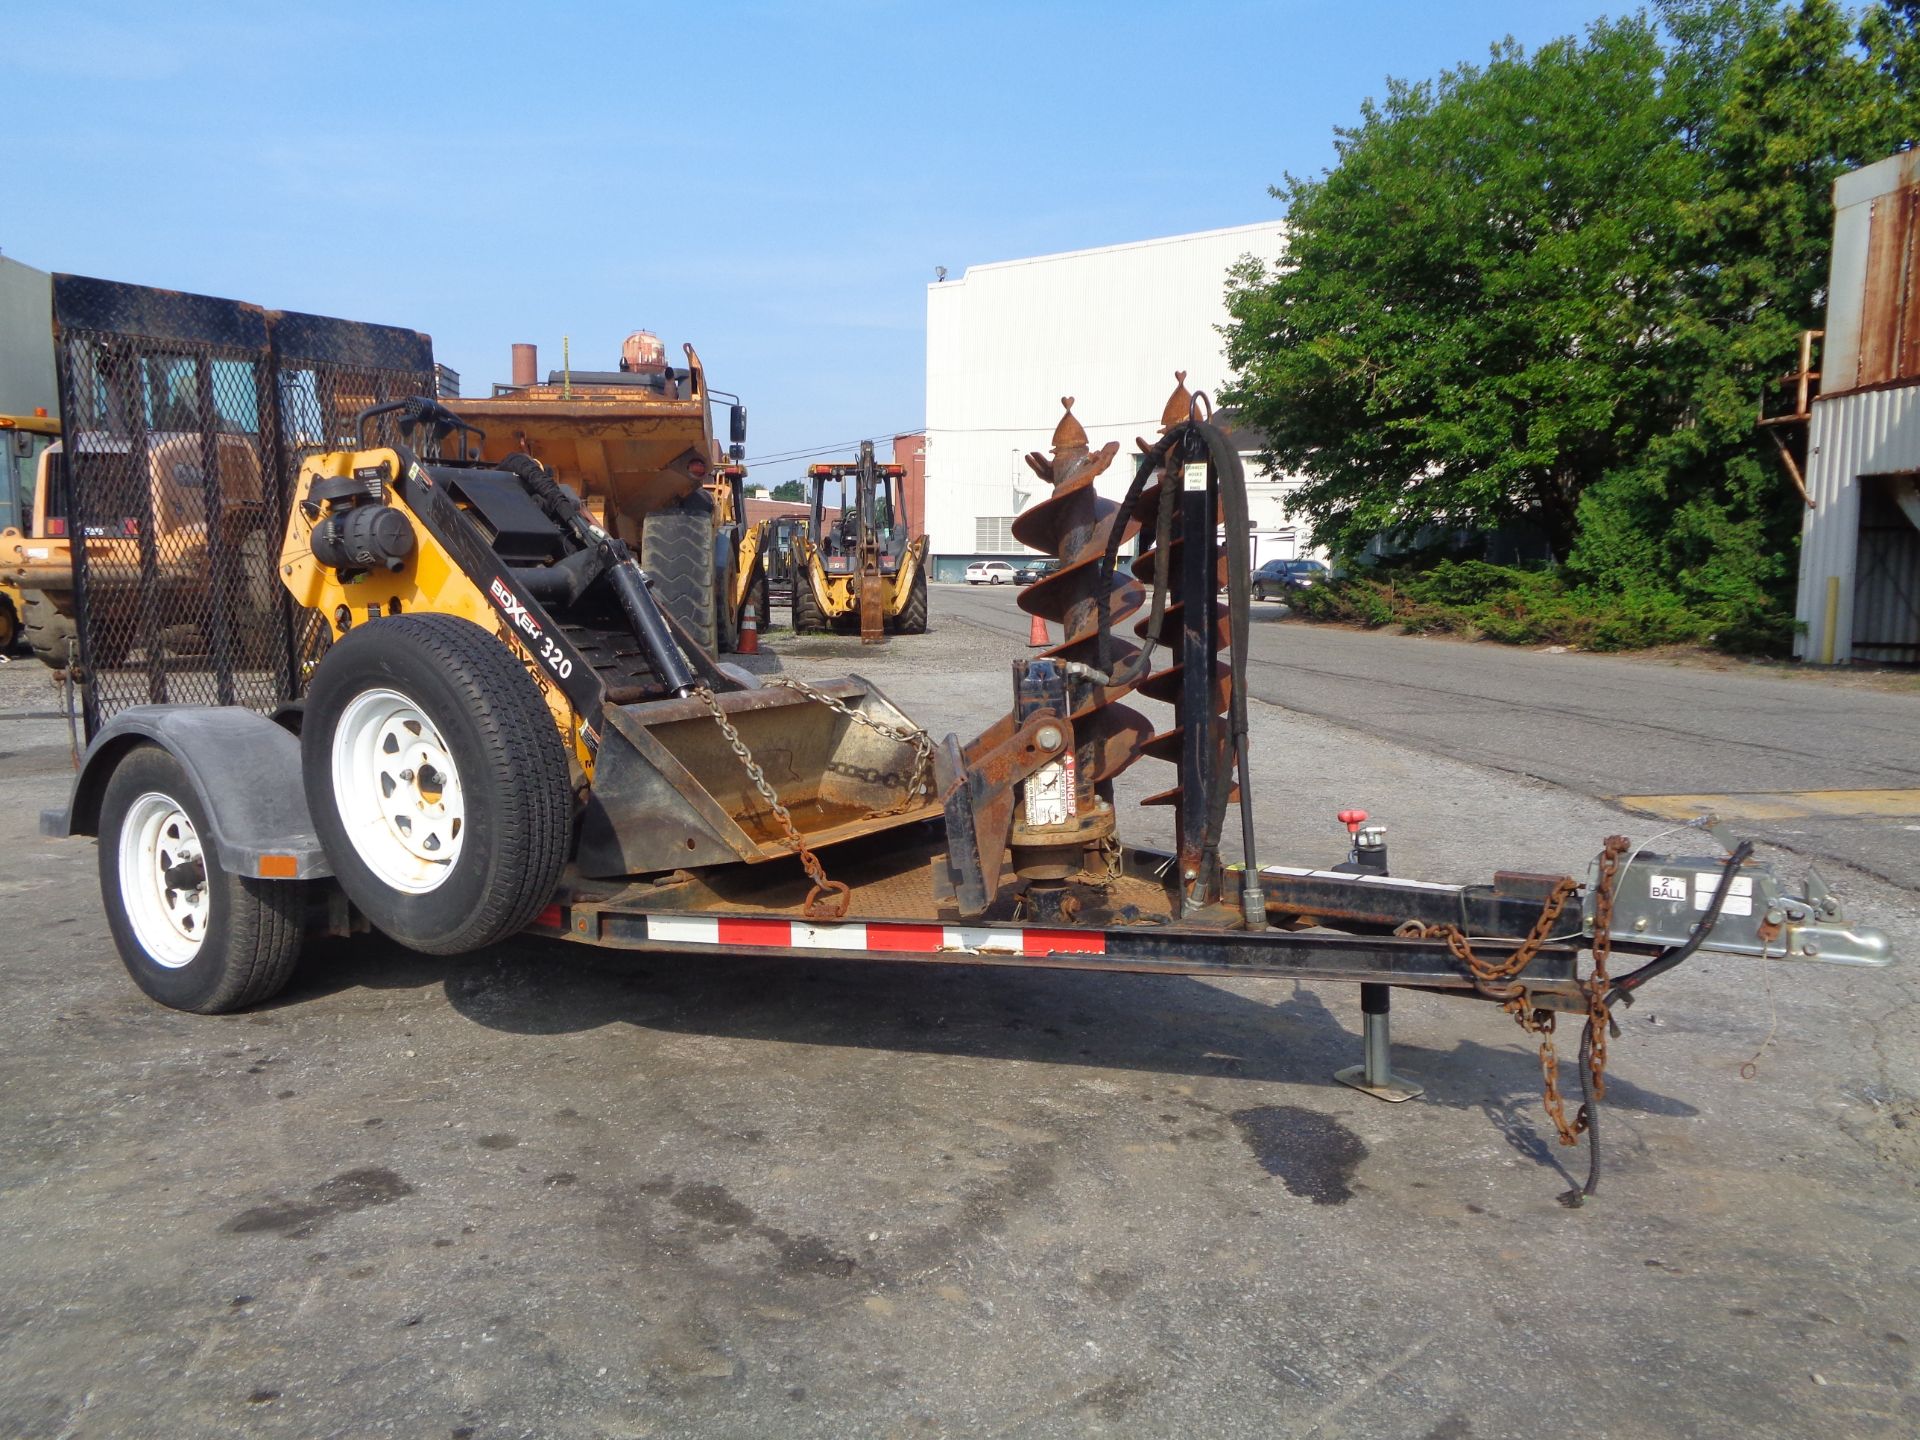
[[186, 418]]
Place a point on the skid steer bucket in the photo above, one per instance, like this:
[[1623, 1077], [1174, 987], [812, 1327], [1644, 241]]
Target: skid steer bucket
[[671, 791]]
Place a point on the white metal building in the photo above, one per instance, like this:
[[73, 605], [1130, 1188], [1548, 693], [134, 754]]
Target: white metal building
[[1859, 595], [1109, 327]]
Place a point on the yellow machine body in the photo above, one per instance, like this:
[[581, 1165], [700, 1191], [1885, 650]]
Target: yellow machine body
[[839, 595], [430, 581]]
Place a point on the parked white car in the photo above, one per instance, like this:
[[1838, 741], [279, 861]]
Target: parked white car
[[990, 572]]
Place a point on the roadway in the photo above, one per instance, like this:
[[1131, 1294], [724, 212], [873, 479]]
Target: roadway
[[1766, 749]]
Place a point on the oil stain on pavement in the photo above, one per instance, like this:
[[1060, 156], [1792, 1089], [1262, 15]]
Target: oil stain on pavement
[[1313, 1155], [342, 1195]]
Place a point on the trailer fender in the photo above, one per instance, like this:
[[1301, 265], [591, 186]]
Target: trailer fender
[[244, 768]]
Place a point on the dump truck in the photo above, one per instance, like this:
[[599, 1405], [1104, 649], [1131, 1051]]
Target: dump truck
[[507, 734], [637, 443], [25, 439], [860, 569]]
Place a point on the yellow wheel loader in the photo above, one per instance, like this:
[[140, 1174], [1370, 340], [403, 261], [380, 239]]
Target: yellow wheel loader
[[508, 733], [23, 543], [860, 569]]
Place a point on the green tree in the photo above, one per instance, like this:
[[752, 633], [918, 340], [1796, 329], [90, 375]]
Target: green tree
[[1552, 287], [1458, 335], [795, 490]]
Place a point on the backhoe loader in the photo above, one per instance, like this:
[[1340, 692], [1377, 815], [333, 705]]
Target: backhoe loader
[[23, 440], [860, 569]]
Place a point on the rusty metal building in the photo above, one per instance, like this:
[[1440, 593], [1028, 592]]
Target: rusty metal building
[[1108, 326], [1859, 593]]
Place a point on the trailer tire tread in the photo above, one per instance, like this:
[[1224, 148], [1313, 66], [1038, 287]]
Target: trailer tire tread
[[511, 758], [253, 941]]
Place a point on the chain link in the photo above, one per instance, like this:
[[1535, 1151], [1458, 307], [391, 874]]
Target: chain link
[[817, 901], [918, 788], [1497, 981], [921, 786]]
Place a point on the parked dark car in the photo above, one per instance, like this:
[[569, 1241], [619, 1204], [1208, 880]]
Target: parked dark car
[[1031, 570], [1277, 578]]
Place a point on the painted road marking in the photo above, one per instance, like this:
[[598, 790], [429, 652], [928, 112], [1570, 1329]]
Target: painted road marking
[[1779, 805]]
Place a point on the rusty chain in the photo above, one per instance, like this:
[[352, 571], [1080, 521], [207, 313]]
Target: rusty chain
[[921, 785], [1497, 981], [822, 886]]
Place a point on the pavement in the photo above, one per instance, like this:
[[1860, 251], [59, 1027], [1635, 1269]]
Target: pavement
[[541, 1191]]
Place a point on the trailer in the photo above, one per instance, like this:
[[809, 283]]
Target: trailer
[[481, 724]]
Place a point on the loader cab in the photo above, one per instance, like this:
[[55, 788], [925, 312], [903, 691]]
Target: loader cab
[[871, 513], [24, 439]]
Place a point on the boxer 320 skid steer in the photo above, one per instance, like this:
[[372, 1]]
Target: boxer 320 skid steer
[[507, 735]]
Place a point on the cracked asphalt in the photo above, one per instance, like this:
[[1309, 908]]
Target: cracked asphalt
[[540, 1191]]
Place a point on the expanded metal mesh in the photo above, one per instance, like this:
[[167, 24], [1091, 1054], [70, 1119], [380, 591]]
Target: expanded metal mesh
[[185, 420]]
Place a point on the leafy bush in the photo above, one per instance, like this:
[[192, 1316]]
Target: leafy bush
[[1535, 607]]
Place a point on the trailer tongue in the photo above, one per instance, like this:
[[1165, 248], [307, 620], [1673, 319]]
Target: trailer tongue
[[482, 723]]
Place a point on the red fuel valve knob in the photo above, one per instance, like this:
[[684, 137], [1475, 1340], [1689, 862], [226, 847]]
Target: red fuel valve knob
[[1353, 820]]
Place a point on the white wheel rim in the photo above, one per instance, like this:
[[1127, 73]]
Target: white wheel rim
[[163, 880], [398, 791]]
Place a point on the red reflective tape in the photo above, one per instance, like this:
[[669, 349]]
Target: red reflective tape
[[919, 939], [746, 930], [1063, 942]]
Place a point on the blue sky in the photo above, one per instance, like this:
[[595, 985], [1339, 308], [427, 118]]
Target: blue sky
[[774, 182]]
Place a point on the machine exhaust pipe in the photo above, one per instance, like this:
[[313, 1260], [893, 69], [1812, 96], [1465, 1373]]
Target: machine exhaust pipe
[[526, 365]]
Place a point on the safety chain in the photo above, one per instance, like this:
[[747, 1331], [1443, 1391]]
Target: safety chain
[[822, 886], [921, 785], [1599, 1021], [1496, 981]]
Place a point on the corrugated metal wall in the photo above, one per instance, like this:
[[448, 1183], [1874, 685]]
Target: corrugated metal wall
[[1005, 341], [1856, 534]]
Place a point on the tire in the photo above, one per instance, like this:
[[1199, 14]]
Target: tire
[[912, 619], [1259, 591], [50, 634], [676, 551], [762, 602], [425, 738], [993, 579], [228, 943], [726, 623], [9, 625], [807, 618]]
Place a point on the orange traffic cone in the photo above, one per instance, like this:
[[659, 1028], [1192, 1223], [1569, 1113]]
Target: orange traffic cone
[[1037, 634], [749, 643]]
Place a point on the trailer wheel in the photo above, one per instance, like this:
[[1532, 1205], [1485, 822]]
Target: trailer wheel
[[437, 781], [192, 935], [676, 551], [912, 619]]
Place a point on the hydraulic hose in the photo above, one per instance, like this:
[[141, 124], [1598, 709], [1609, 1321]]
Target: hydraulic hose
[[1624, 987], [623, 572], [1195, 437]]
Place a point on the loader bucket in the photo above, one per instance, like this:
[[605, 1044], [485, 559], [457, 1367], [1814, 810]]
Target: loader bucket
[[670, 793]]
